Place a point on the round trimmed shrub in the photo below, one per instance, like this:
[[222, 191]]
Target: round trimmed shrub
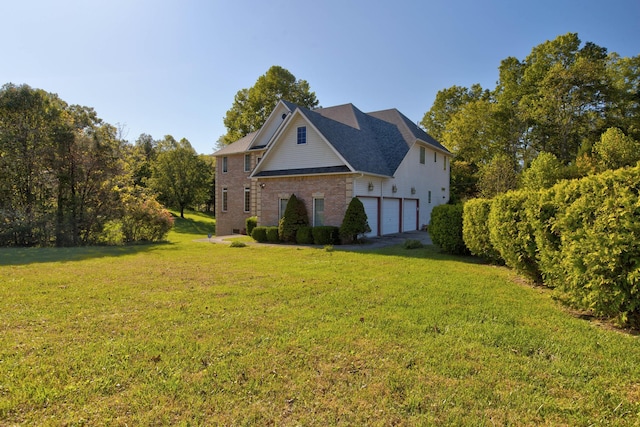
[[259, 234], [272, 235], [250, 224]]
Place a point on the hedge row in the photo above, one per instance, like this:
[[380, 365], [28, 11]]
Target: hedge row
[[581, 237], [445, 228], [321, 235]]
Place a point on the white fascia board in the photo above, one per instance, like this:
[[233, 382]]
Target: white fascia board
[[274, 141], [271, 117]]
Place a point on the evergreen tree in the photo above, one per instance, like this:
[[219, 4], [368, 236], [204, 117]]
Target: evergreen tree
[[354, 222], [295, 216]]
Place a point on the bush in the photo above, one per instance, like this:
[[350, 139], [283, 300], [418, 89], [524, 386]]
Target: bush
[[304, 236], [295, 216], [512, 233], [145, 221], [259, 234], [599, 257], [326, 235], [475, 229], [273, 235], [445, 228], [355, 222], [238, 244], [413, 244], [250, 224]]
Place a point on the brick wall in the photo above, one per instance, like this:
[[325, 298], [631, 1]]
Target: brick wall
[[234, 180], [336, 190]]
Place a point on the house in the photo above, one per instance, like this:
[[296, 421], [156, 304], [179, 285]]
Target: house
[[326, 157]]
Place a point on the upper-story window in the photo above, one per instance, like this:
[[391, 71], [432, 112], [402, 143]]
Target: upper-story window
[[435, 156], [423, 155], [302, 135], [224, 165], [247, 162]]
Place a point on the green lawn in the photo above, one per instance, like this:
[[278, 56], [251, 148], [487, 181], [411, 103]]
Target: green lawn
[[193, 333]]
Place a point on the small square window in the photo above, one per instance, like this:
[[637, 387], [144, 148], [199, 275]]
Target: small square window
[[302, 135], [422, 155], [247, 162]]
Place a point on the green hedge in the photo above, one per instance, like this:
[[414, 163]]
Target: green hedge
[[599, 256], [272, 235], [445, 228], [304, 236], [475, 229], [250, 224], [581, 237], [326, 235], [511, 233], [259, 234]]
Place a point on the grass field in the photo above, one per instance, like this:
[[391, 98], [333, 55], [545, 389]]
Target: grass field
[[193, 333]]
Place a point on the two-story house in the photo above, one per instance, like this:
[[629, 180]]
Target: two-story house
[[326, 157]]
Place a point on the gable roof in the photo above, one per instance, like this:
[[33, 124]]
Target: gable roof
[[374, 143], [240, 146], [366, 143]]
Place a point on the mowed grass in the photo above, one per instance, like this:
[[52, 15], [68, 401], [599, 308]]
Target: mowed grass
[[193, 333]]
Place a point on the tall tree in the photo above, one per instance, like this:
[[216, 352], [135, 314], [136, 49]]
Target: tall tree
[[252, 106], [180, 177]]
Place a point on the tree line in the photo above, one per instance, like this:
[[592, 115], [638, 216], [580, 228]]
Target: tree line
[[67, 178], [575, 105]]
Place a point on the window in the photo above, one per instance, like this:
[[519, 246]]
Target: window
[[423, 153], [302, 135], [444, 164], [282, 207], [435, 156], [429, 196], [247, 199], [225, 199], [224, 165], [247, 162], [318, 212]]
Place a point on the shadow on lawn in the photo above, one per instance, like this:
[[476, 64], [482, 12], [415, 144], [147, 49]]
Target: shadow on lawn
[[194, 224], [24, 256]]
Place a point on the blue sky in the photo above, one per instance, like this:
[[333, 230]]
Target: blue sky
[[173, 67]]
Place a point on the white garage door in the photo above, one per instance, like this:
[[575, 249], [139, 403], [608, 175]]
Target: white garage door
[[410, 215], [390, 216], [371, 209]]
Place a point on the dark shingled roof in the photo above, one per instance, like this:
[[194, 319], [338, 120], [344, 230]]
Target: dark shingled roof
[[373, 143]]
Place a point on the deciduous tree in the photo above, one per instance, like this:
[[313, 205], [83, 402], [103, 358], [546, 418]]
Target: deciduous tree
[[252, 106]]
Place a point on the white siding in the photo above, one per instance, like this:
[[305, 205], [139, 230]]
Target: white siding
[[270, 127], [288, 154]]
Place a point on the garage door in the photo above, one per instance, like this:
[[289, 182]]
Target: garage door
[[371, 209], [390, 216], [410, 215]]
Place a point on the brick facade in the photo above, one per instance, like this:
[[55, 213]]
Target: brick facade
[[336, 190], [235, 180]]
